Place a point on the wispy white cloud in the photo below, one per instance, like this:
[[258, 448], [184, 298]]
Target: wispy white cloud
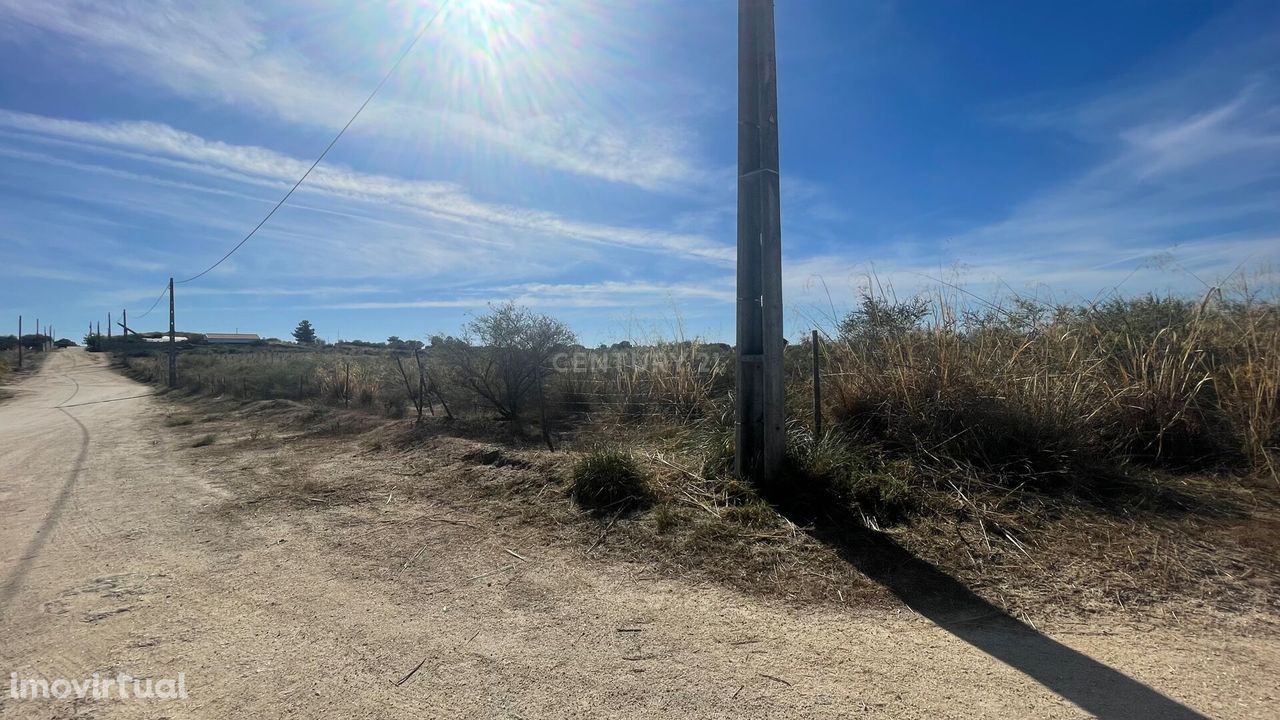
[[221, 53], [157, 142], [608, 294], [1178, 178]]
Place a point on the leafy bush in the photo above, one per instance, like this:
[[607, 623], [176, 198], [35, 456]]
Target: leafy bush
[[505, 355]]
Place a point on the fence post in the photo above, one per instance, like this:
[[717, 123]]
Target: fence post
[[19, 342], [817, 389], [542, 409]]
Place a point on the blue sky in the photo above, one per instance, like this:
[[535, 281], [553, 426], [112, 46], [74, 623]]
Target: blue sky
[[578, 156]]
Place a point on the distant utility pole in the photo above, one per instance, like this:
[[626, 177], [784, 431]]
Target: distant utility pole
[[760, 412], [124, 323], [108, 324], [19, 342], [173, 347]]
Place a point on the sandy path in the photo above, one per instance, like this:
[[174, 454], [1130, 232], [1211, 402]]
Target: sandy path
[[111, 562]]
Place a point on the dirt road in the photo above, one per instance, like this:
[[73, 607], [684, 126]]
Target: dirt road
[[113, 561]]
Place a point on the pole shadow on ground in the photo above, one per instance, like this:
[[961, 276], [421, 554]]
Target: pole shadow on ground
[[1091, 685]]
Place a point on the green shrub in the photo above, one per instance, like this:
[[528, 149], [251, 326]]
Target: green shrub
[[833, 466], [610, 481]]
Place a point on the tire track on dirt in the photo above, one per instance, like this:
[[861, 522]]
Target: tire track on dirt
[[29, 555]]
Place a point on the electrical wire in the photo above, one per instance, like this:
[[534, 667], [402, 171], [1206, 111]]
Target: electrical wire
[[154, 304], [334, 141]]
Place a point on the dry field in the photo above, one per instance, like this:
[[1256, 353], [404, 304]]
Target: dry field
[[291, 562]]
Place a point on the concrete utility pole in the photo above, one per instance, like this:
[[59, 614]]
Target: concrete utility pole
[[108, 324], [173, 347], [19, 342], [760, 412]]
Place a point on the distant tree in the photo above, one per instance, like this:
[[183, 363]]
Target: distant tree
[[395, 343], [35, 341], [304, 333], [8, 342]]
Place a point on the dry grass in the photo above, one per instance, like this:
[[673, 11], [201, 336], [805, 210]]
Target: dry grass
[[1194, 548], [1119, 455], [368, 381], [1061, 396], [9, 363]]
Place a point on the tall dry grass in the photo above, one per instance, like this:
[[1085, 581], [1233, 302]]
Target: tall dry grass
[[1032, 392], [362, 380], [660, 381]]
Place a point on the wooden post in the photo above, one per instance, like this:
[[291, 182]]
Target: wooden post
[[173, 342], [19, 342], [760, 410], [817, 388], [124, 322], [108, 324], [542, 409]]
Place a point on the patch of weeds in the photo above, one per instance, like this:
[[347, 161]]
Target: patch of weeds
[[711, 538], [756, 515], [610, 481], [858, 477], [178, 421], [666, 518], [211, 418], [205, 441], [711, 441]]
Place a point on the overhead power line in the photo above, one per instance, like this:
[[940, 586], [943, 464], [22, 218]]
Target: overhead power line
[[334, 141], [160, 297]]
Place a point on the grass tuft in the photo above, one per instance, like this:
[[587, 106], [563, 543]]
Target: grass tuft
[[609, 480]]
